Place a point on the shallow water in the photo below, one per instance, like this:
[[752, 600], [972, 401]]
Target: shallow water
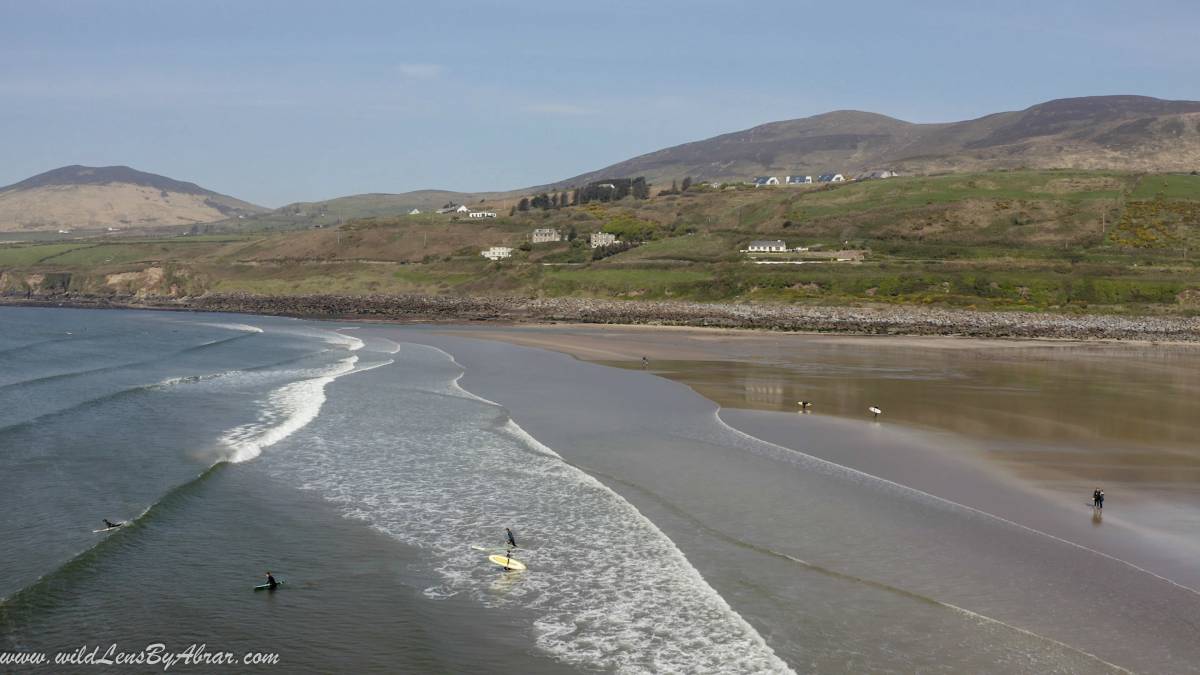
[[367, 465]]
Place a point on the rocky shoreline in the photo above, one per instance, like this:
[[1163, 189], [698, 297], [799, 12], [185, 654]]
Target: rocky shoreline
[[880, 320]]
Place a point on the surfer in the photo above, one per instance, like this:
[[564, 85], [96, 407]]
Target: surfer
[[876, 410], [512, 544], [111, 525], [1100, 499], [645, 363], [1096, 498], [271, 583]]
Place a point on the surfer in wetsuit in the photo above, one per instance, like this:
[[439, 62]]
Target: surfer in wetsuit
[[110, 525], [1096, 498], [271, 583], [1100, 499], [512, 544], [645, 363]]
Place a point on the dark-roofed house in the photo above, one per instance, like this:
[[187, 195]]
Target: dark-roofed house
[[799, 180], [831, 178]]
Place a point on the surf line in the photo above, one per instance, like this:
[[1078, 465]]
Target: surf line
[[949, 502], [718, 534], [516, 431]]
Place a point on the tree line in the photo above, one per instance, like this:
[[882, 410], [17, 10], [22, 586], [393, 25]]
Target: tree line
[[607, 190]]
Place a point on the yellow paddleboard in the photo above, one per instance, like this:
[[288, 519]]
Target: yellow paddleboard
[[505, 561]]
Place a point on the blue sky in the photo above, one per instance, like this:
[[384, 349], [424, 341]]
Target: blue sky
[[281, 101]]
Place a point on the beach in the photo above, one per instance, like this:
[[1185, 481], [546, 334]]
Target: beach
[[373, 466]]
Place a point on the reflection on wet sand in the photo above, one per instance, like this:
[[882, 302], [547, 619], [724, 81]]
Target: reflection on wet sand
[[1065, 416]]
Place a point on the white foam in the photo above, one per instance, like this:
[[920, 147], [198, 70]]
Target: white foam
[[287, 410], [606, 589], [243, 327]]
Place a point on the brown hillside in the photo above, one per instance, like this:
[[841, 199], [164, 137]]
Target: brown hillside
[[1102, 132]]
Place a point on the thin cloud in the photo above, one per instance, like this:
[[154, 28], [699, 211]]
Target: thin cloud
[[420, 71]]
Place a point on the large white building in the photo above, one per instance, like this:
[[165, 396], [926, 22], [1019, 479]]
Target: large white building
[[599, 239], [482, 214], [544, 235], [767, 246], [497, 252]]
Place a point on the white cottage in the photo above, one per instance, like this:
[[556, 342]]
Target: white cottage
[[767, 246], [544, 235], [482, 214], [599, 239]]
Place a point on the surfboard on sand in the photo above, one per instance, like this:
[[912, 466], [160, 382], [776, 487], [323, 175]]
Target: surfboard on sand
[[505, 561], [267, 587]]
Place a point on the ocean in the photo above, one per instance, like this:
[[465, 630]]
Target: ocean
[[373, 469]]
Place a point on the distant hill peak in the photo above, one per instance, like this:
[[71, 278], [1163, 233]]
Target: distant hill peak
[[77, 174], [1120, 132], [111, 197]]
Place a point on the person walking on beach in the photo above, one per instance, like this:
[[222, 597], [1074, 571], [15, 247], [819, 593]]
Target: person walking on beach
[[645, 363], [1100, 499], [1096, 498]]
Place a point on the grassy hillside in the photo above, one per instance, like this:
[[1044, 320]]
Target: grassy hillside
[[1075, 240]]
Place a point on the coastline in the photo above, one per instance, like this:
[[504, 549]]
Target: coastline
[[775, 529], [875, 320]]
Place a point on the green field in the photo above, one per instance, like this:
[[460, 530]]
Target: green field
[[1062, 240]]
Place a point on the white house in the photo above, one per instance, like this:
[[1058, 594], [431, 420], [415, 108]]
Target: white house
[[415, 212], [481, 214], [599, 239], [497, 252], [831, 178], [767, 246], [544, 235], [799, 180], [766, 180], [885, 173]]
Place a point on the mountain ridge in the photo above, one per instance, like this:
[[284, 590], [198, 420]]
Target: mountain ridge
[[111, 197], [1093, 132]]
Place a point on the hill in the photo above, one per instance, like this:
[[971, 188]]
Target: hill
[[96, 198], [1031, 240], [331, 212], [1119, 133]]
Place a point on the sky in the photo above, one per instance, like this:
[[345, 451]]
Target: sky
[[283, 101]]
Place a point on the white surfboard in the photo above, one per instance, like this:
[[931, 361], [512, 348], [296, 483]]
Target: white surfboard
[[109, 529], [875, 410]]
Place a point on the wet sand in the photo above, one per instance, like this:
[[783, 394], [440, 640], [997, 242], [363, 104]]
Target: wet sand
[[1054, 417], [852, 546]]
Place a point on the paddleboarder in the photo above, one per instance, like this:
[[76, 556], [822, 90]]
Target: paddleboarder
[[271, 583], [512, 544]]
